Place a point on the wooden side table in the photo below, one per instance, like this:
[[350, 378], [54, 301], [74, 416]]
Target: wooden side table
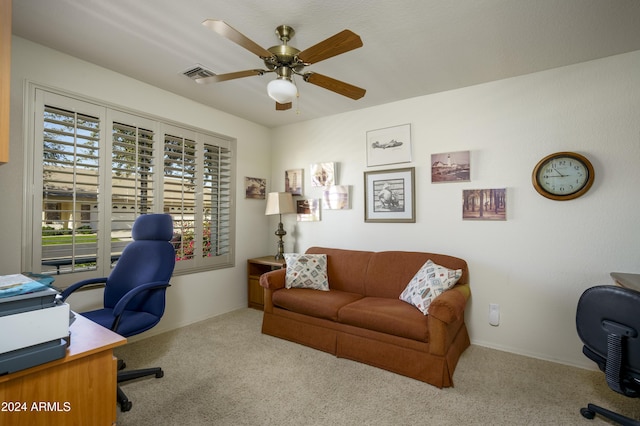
[[255, 268]]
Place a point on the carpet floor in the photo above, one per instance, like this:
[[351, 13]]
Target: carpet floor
[[223, 371]]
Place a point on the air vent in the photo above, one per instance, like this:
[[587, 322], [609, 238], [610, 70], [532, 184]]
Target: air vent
[[198, 71]]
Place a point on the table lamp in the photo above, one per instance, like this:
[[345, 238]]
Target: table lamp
[[280, 203]]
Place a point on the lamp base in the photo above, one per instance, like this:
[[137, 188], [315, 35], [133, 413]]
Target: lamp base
[[280, 232]]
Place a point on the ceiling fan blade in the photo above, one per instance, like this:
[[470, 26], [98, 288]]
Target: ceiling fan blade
[[337, 86], [227, 31], [342, 42], [229, 76], [283, 107]]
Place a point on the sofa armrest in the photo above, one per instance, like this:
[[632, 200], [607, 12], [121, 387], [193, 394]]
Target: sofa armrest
[[273, 279], [449, 306], [446, 316]]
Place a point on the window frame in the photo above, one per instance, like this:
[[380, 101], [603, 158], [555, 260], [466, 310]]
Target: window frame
[[37, 97]]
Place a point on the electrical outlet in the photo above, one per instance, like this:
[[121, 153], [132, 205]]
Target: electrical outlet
[[494, 314]]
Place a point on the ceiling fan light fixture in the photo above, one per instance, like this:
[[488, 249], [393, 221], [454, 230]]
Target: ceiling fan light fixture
[[282, 90]]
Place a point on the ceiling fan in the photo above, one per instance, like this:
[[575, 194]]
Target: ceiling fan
[[287, 61]]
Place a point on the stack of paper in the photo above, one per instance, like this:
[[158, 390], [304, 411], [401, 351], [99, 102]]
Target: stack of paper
[[16, 284]]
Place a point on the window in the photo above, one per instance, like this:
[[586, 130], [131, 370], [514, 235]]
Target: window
[[97, 168]]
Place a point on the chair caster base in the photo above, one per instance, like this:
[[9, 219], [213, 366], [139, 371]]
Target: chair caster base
[[126, 406], [587, 414]]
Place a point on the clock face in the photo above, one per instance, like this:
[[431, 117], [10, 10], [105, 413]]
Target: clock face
[[563, 176]]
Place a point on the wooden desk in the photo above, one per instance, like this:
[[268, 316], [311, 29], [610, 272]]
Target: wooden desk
[[631, 281], [79, 389]]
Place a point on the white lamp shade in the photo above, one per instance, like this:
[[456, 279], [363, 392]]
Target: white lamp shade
[[279, 203], [282, 90]]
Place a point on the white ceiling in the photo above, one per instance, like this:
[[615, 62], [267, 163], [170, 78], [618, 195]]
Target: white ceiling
[[411, 47]]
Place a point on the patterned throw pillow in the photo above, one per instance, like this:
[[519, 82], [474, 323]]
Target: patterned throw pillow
[[306, 271], [428, 283]]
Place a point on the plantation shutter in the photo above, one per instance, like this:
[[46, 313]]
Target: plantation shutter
[[70, 184], [198, 188], [132, 176], [217, 200]]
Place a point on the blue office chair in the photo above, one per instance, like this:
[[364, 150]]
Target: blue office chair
[[134, 292], [608, 324]]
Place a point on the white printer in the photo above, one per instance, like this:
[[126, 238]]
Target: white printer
[[34, 324]]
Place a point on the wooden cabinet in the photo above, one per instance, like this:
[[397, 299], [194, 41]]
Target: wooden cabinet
[[255, 268], [5, 77]]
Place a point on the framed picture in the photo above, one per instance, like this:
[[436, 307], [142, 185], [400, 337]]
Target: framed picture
[[389, 146], [336, 198], [389, 196], [293, 181], [308, 210], [323, 174], [451, 167], [255, 188], [484, 204]]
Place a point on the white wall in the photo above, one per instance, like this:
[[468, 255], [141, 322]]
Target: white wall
[[191, 297], [536, 264]]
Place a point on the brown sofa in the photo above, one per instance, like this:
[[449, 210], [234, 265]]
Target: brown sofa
[[361, 317]]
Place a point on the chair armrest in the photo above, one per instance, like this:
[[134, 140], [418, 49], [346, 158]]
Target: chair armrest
[[124, 301], [273, 280], [67, 292], [118, 310], [449, 306]]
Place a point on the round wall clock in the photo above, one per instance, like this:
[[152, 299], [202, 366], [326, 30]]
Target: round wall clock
[[563, 176]]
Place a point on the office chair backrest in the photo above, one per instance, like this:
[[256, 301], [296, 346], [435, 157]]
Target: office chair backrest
[[148, 258], [607, 313]]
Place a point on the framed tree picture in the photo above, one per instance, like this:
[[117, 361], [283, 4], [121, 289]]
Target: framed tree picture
[[484, 204], [390, 196]]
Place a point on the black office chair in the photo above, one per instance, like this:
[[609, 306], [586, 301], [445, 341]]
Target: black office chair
[[134, 292], [608, 323]]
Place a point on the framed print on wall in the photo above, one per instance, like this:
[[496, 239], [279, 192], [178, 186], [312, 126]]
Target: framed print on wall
[[336, 197], [308, 210], [389, 196], [293, 181], [323, 174], [255, 188], [389, 146], [484, 204], [451, 167]]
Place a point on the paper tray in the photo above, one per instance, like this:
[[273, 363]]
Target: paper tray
[[20, 359]]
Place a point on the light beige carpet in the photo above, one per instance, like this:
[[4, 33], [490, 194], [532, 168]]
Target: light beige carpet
[[223, 371]]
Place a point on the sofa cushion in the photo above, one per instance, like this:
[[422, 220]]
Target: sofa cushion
[[389, 272], [346, 269], [319, 304], [391, 316], [429, 282], [306, 271]]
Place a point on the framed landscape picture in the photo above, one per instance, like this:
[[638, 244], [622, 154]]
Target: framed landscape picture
[[255, 188], [390, 196], [484, 204], [389, 146], [451, 167]]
